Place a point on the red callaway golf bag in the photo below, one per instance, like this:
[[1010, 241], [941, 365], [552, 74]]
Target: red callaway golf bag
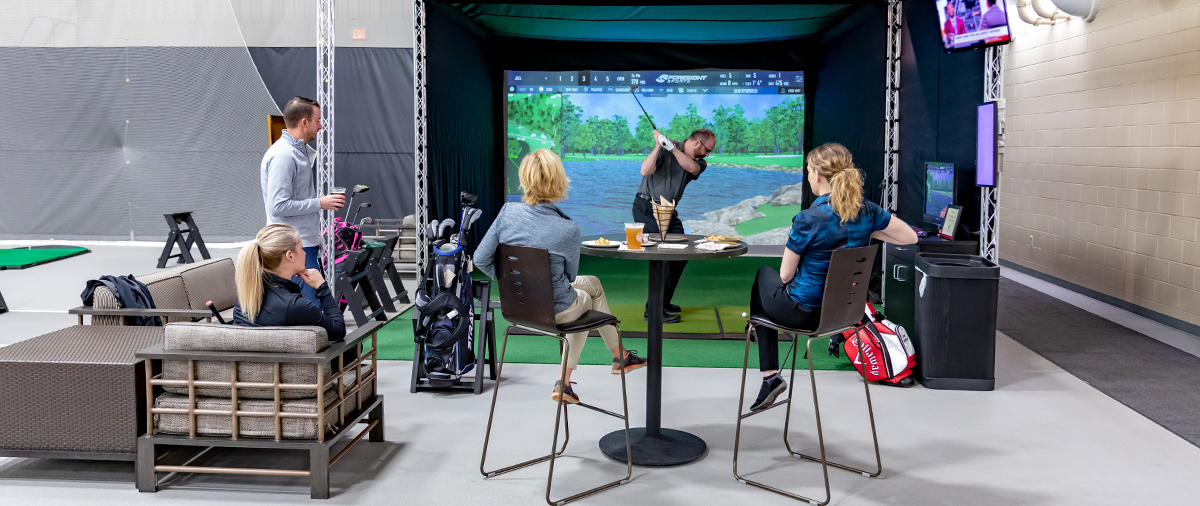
[[881, 350]]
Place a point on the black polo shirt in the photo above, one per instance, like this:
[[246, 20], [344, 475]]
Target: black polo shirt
[[669, 177]]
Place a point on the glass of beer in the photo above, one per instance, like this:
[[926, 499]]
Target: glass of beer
[[633, 235]]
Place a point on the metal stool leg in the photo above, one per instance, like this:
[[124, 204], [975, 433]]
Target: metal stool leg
[[560, 414], [625, 417], [870, 414], [738, 433], [492, 413]]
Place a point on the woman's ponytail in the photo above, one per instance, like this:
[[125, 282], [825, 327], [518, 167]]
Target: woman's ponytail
[[249, 280], [260, 256], [846, 197], [834, 162]]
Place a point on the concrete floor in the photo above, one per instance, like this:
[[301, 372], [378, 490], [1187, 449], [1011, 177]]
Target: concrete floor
[[1042, 437]]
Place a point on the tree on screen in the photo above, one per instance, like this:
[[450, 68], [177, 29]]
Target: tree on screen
[[623, 138], [643, 136], [683, 125], [729, 123], [571, 114]]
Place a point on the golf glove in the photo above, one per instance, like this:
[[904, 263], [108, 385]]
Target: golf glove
[[666, 143]]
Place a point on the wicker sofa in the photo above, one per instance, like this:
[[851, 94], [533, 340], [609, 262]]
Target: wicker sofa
[[179, 295], [293, 391]]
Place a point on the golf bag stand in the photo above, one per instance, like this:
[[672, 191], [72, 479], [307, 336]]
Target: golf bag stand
[[485, 350], [453, 326]]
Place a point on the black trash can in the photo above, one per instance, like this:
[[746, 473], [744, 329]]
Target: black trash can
[[955, 335]]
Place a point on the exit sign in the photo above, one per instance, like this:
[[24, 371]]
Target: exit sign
[[360, 33]]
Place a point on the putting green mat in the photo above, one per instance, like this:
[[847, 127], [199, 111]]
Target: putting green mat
[[20, 258], [396, 343]]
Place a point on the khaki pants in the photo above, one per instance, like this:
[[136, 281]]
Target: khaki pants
[[588, 295]]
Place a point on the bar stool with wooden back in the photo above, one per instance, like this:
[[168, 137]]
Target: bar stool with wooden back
[[527, 301], [841, 308]]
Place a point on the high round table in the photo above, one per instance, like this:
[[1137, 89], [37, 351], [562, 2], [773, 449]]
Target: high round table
[[654, 445]]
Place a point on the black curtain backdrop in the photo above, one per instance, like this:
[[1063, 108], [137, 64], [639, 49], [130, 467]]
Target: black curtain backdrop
[[848, 92], [939, 93], [463, 118], [374, 111]]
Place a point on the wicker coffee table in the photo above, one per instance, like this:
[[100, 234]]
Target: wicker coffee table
[[76, 393]]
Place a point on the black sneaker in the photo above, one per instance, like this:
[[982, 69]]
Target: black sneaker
[[772, 387], [672, 308], [667, 318], [566, 394], [629, 363]]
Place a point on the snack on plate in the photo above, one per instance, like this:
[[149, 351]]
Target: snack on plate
[[602, 241], [715, 238]]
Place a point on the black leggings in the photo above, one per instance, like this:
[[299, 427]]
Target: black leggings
[[769, 296]]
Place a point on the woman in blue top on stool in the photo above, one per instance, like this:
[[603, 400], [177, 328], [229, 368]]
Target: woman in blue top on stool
[[838, 218]]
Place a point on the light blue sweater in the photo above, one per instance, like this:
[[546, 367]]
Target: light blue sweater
[[289, 192], [537, 226]]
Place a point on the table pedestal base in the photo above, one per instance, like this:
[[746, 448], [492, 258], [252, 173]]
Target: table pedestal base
[[671, 448]]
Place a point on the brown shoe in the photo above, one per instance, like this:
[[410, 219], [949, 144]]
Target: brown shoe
[[629, 363], [567, 395]]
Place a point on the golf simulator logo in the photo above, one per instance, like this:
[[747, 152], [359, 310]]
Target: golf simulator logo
[[665, 78]]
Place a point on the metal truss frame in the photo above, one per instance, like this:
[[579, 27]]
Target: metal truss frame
[[420, 131], [325, 148], [891, 127], [989, 208]]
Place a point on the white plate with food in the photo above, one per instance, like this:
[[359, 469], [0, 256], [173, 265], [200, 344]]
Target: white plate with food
[[602, 243]]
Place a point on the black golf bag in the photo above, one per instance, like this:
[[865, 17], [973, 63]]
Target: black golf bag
[[445, 320]]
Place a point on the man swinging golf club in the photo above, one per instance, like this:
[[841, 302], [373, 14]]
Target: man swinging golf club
[[666, 171]]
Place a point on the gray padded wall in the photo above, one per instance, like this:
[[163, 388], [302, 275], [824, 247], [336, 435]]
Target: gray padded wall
[[374, 136], [72, 168]]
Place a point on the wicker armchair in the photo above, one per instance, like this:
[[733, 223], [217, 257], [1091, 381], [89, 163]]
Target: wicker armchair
[[293, 390]]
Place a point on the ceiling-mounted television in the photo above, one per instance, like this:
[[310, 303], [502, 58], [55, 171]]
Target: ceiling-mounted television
[[971, 24]]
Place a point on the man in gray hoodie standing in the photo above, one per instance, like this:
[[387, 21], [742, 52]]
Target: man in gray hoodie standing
[[288, 182]]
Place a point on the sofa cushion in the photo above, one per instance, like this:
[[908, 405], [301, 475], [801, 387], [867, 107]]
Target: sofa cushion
[[210, 280], [217, 337], [248, 426]]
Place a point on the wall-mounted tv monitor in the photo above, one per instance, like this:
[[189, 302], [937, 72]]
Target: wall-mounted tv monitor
[[985, 145], [971, 24], [592, 121], [939, 191]]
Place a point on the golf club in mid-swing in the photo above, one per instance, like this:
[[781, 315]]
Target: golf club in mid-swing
[[663, 141], [632, 90]]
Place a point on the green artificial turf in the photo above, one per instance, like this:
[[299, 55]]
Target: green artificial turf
[[723, 284], [22, 257], [396, 343], [776, 217]]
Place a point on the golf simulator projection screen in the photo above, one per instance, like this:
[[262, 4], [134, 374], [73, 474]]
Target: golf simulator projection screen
[[753, 185]]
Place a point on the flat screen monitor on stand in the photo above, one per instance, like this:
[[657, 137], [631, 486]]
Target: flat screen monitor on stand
[[940, 192]]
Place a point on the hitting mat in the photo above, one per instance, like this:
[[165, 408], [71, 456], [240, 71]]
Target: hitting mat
[[23, 258], [396, 343]]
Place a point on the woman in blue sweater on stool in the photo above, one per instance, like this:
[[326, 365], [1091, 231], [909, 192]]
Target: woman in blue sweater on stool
[[538, 223], [838, 218]]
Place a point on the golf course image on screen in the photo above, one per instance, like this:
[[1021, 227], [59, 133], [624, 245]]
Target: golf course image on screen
[[593, 121]]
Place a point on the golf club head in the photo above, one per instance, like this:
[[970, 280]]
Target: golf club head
[[364, 205], [445, 229], [633, 88], [361, 188]]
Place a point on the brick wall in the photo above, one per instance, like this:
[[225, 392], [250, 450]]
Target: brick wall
[[1101, 181]]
